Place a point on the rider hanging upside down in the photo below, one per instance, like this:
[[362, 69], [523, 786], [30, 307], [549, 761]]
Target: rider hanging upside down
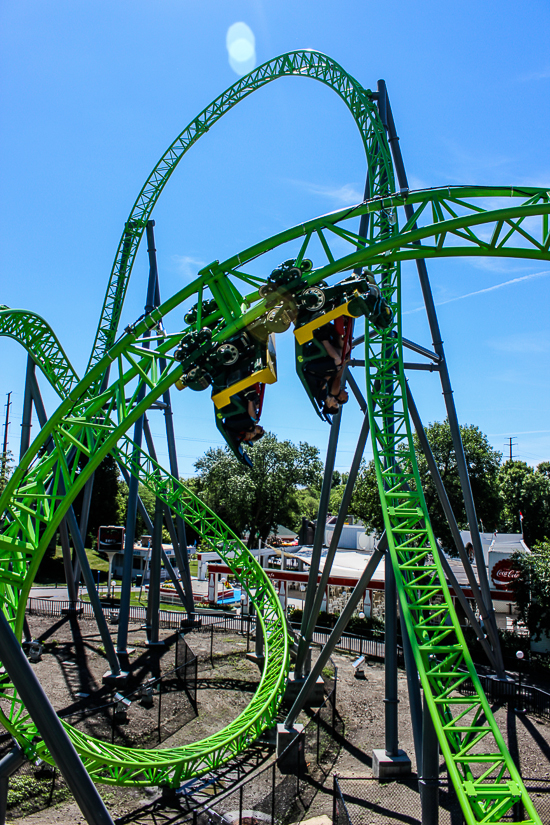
[[324, 374], [240, 417]]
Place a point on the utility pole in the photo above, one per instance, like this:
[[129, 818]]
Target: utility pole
[[511, 445], [5, 450]]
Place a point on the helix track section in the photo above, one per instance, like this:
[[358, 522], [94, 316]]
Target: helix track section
[[125, 765]]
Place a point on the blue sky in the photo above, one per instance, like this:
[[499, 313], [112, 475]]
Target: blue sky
[[93, 92]]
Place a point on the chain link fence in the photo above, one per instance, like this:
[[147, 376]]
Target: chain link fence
[[278, 794], [144, 717], [368, 801]]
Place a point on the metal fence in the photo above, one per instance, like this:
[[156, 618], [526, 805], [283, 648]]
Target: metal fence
[[127, 719], [523, 697], [143, 717], [277, 795], [368, 801], [170, 619], [370, 645]]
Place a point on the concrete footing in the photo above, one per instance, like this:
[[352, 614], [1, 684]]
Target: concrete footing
[[257, 659], [110, 678], [290, 748], [293, 687], [384, 765]]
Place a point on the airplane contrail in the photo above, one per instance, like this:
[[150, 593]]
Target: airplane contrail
[[487, 289]]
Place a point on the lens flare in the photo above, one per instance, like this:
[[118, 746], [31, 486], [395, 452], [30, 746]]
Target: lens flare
[[241, 48]]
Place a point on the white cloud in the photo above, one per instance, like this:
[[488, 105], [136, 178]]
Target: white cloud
[[346, 194], [187, 266], [541, 74], [496, 265]]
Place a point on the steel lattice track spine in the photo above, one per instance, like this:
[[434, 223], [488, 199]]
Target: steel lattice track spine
[[486, 781]]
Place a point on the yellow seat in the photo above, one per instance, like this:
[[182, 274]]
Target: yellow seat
[[305, 333]]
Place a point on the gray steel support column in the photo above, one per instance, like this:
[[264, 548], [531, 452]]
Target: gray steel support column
[[428, 783], [128, 563], [357, 392], [180, 547], [36, 397], [494, 657], [27, 635], [413, 687], [153, 599], [11, 762], [27, 409], [129, 539], [50, 728], [181, 555], [32, 395], [342, 513], [93, 594], [390, 662], [333, 639], [67, 561], [318, 541], [149, 524], [83, 526], [259, 641], [446, 386]]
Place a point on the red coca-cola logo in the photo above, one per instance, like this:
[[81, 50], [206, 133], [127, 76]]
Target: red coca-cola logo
[[504, 574]]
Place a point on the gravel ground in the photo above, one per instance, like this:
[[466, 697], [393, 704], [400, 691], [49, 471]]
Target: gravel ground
[[223, 691]]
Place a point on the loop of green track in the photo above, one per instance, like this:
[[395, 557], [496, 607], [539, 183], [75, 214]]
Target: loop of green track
[[119, 765], [310, 64]]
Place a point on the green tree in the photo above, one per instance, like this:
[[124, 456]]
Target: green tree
[[148, 499], [533, 588], [525, 490], [365, 502], [305, 504], [483, 467], [6, 467], [104, 506], [257, 499]]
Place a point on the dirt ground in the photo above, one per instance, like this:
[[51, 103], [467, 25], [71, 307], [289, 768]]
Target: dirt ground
[[68, 669]]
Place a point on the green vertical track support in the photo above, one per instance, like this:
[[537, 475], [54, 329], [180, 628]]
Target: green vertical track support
[[482, 771]]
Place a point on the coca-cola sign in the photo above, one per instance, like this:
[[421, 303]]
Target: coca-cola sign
[[503, 574]]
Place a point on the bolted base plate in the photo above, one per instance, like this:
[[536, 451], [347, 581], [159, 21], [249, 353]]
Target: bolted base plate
[[259, 660], [110, 678], [290, 748]]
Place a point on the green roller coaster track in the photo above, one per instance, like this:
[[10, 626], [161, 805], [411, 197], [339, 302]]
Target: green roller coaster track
[[91, 422], [300, 63]]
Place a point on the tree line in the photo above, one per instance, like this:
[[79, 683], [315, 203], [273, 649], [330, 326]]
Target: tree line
[[284, 485]]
